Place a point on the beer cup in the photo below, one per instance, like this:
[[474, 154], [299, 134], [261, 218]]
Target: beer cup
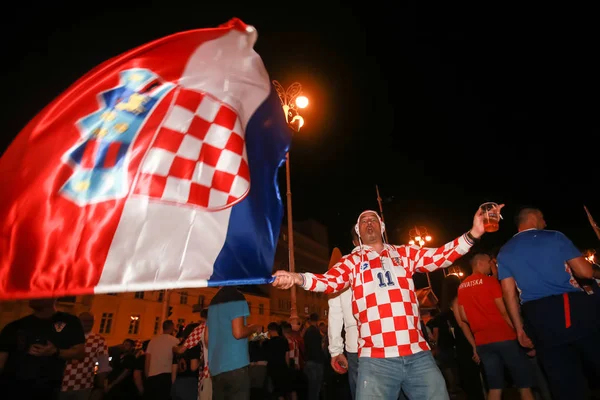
[[491, 216]]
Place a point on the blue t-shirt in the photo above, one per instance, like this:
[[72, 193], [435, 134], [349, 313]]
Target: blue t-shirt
[[226, 353], [537, 259]]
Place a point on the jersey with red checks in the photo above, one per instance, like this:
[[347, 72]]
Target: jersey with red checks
[[384, 301], [79, 375], [195, 338]]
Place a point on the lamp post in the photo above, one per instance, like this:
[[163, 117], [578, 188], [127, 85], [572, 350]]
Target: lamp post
[[418, 237], [291, 101]]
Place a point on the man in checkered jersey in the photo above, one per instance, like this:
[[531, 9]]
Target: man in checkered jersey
[[78, 380], [393, 353]]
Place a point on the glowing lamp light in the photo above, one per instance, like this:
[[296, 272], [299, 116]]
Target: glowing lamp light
[[418, 238], [411, 242], [428, 238], [302, 101]]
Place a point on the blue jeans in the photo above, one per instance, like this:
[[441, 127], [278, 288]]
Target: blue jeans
[[352, 372], [417, 375]]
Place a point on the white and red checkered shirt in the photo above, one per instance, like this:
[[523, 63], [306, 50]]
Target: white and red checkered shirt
[[384, 301], [197, 337], [79, 375]]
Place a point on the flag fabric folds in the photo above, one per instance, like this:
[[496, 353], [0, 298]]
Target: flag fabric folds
[[156, 170]]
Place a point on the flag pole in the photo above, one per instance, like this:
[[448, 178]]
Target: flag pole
[[592, 222], [381, 212]]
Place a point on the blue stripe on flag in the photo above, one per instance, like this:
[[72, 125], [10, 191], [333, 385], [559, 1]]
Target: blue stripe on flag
[[249, 250]]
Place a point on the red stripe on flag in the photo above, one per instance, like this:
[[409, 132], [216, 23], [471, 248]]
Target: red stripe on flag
[[88, 158], [110, 160]]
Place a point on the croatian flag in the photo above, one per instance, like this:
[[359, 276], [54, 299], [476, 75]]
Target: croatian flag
[[156, 170]]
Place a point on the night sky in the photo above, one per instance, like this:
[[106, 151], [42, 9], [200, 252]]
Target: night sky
[[443, 107]]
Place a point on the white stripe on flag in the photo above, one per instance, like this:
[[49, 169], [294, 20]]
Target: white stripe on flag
[[189, 241]]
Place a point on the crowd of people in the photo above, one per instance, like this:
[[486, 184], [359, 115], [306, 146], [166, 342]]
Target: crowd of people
[[528, 317], [534, 313]]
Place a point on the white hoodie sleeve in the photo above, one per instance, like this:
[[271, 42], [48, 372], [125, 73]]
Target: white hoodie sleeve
[[336, 323]]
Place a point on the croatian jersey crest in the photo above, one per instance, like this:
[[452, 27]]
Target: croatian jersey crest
[[59, 326], [99, 160]]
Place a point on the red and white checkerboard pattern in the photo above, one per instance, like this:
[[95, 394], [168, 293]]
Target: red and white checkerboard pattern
[[195, 338], [198, 156], [384, 300], [79, 375]]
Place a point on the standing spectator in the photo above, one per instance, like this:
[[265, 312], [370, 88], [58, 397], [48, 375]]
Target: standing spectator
[[185, 369], [278, 363], [159, 361], [558, 317], [228, 358], [79, 379], [314, 366], [34, 351], [495, 341], [120, 384]]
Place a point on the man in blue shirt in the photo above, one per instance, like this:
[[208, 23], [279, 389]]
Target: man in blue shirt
[[228, 358], [561, 319]]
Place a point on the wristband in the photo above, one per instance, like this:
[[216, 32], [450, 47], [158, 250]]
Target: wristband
[[472, 238]]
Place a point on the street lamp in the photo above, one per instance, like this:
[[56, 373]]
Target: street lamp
[[291, 101], [590, 255], [418, 237], [455, 270]]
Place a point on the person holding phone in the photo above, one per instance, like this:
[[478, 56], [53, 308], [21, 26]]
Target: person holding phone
[[34, 351]]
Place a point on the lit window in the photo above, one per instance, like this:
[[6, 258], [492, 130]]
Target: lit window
[[134, 325]]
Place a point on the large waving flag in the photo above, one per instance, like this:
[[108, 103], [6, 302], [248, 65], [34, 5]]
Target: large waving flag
[[156, 170]]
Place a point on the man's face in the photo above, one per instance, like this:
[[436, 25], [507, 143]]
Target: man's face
[[486, 264], [127, 347], [369, 228]]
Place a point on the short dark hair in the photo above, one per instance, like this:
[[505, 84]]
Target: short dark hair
[[286, 326], [204, 313], [168, 324], [524, 213]]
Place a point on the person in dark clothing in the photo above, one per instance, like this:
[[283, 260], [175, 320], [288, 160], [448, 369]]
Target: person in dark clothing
[[139, 377], [185, 386], [34, 351], [120, 380], [258, 368], [314, 356], [444, 348], [469, 372], [278, 362]]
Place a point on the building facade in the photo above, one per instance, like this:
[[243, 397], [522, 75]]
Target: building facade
[[138, 315]]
